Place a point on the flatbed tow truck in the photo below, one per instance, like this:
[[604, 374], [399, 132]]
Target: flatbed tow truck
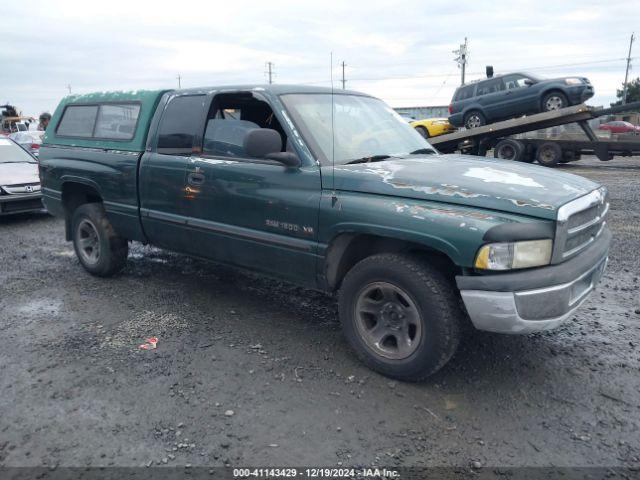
[[547, 151]]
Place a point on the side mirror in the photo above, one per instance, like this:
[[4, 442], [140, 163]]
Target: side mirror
[[260, 142], [289, 159], [267, 143], [528, 82]]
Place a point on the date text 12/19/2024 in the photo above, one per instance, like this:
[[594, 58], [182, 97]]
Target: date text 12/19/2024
[[316, 472]]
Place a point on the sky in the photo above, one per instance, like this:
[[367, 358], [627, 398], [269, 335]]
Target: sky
[[400, 51]]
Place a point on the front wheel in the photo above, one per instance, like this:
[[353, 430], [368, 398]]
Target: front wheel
[[554, 101], [400, 315], [100, 250]]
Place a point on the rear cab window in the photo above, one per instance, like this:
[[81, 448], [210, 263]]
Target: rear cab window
[[109, 121]]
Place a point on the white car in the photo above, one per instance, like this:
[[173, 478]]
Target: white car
[[29, 140], [19, 180]]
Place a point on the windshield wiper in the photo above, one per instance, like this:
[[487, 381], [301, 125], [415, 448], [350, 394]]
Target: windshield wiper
[[424, 151], [372, 158]]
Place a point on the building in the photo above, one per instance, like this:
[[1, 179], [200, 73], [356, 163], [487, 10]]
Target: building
[[420, 113]]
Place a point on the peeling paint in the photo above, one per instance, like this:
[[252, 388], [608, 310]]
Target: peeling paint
[[493, 175], [529, 203]]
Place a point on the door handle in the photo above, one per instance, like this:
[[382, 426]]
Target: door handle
[[195, 179]]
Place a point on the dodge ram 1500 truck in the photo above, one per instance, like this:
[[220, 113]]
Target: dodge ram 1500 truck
[[335, 192]]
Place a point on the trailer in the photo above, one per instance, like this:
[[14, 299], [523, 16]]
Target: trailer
[[546, 151]]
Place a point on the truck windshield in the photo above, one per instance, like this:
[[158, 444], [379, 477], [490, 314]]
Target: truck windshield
[[362, 127]]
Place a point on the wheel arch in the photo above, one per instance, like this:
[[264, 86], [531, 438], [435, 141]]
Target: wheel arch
[[348, 248], [75, 192]]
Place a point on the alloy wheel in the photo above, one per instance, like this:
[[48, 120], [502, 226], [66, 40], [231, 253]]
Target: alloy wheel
[[474, 121], [554, 102]]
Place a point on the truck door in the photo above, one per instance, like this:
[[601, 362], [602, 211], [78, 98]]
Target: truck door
[[251, 212], [163, 170]]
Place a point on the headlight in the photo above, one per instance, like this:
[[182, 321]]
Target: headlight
[[573, 81], [440, 122], [508, 256]]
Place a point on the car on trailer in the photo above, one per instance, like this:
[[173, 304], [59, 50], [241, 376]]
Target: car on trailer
[[512, 95]]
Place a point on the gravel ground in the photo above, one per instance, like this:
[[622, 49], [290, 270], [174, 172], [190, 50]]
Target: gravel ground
[[251, 371]]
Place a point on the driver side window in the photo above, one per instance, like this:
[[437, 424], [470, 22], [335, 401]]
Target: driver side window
[[231, 117]]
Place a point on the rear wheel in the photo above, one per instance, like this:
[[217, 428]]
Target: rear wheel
[[549, 154], [474, 119], [400, 315], [554, 101], [509, 149], [100, 250], [423, 131]]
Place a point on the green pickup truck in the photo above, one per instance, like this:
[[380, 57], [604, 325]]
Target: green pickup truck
[[335, 192]]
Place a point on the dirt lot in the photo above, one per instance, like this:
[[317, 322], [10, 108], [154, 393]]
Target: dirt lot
[[250, 371]]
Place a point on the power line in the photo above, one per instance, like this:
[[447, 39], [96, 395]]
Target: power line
[[440, 75]]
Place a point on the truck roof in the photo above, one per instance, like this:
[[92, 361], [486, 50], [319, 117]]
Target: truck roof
[[275, 89], [148, 101]]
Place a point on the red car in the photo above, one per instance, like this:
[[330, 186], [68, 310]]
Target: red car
[[620, 127]]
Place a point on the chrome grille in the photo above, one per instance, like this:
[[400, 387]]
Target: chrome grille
[[581, 218], [579, 224], [21, 189]]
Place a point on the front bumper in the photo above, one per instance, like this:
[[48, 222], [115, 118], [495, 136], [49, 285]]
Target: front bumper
[[31, 202], [580, 93], [534, 300]]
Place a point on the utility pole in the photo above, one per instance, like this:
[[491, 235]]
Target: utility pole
[[462, 57], [179, 78], [626, 73], [270, 72], [69, 88], [344, 81]]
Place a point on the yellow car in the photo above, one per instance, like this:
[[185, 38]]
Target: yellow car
[[432, 127]]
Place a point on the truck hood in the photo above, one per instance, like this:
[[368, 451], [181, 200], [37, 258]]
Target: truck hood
[[18, 173], [479, 182]]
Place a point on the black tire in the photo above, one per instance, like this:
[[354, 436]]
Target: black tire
[[100, 250], [422, 131], [509, 149], [474, 119], [438, 321], [549, 154], [554, 101]]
